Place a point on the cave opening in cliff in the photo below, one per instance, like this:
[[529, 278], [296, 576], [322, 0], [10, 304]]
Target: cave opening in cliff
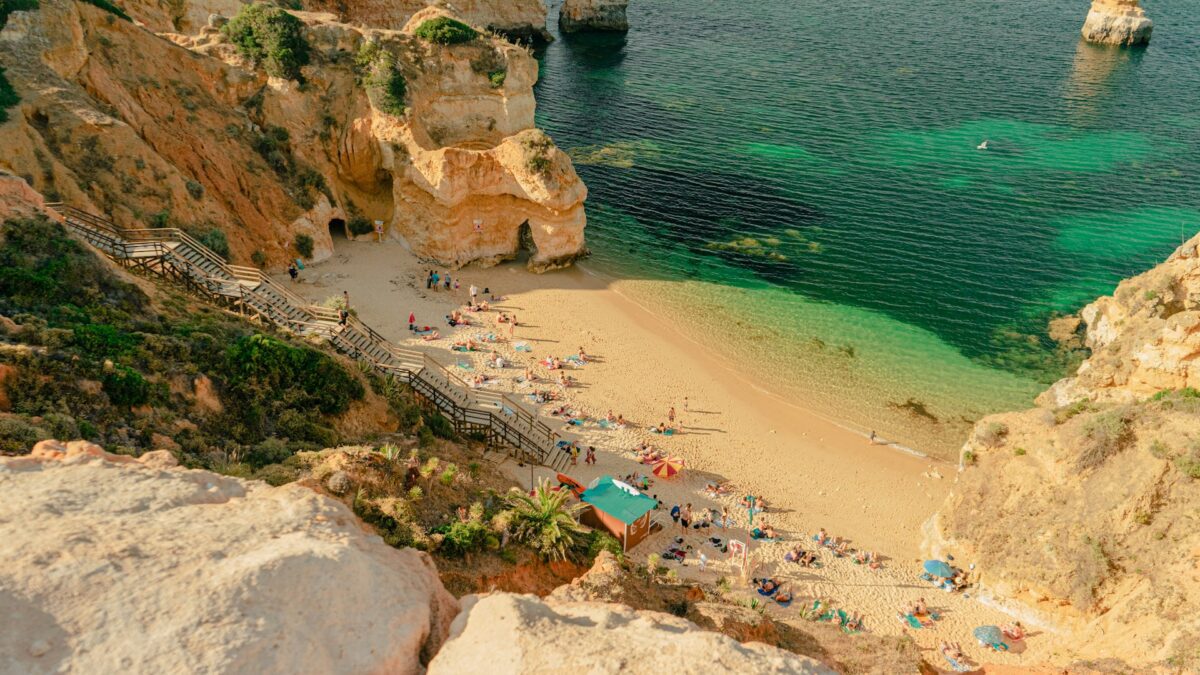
[[337, 229], [525, 243]]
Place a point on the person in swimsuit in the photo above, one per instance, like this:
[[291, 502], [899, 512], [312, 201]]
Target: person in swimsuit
[[685, 518]]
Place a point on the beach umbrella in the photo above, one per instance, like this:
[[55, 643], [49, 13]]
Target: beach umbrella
[[989, 635], [938, 568], [668, 468]]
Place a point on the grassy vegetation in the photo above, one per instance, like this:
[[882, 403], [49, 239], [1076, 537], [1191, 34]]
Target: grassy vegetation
[[546, 521], [385, 84], [304, 245], [267, 35], [94, 358], [446, 31], [358, 226], [1104, 435]]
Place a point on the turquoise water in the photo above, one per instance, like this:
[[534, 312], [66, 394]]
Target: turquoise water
[[810, 171]]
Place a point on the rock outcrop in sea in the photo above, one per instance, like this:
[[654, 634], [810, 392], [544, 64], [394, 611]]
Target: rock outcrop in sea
[[593, 15], [178, 128], [1079, 512], [1117, 22], [114, 564]]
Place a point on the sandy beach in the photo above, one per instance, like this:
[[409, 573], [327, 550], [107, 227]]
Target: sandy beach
[[812, 472]]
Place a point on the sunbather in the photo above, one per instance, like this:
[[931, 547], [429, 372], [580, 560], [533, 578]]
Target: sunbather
[[952, 650], [432, 335], [1013, 631], [821, 537]]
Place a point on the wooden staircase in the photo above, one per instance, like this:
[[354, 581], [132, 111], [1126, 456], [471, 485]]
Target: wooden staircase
[[171, 254]]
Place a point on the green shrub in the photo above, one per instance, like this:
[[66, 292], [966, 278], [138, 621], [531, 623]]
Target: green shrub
[[103, 340], [993, 434], [268, 35], [126, 387], [599, 540], [1019, 452], [259, 258], [215, 240], [277, 474], [195, 189], [1065, 413], [384, 84], [304, 245], [359, 226], [464, 538], [8, 7], [8, 97], [446, 31], [109, 7], [439, 426], [17, 436], [496, 77], [258, 365], [968, 458]]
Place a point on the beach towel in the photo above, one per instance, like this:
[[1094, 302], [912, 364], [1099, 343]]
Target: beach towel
[[757, 535], [299, 264], [522, 347], [913, 621], [764, 592], [464, 365]]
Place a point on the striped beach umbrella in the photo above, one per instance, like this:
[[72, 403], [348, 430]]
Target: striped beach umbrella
[[668, 468]]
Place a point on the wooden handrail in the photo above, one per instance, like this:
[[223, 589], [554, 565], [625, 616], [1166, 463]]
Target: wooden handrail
[[426, 375]]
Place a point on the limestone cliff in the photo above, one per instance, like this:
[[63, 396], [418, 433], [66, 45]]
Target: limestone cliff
[[1081, 511], [180, 130], [520, 634], [593, 15], [112, 564], [1117, 22]]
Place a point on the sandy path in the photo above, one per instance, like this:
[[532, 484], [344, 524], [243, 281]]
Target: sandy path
[[812, 472]]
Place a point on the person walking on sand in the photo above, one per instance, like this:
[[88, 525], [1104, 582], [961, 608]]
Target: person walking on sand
[[591, 455], [574, 455], [872, 437], [703, 562], [447, 281], [293, 272], [685, 404], [474, 291], [685, 518], [429, 282], [671, 415], [434, 278], [346, 299]]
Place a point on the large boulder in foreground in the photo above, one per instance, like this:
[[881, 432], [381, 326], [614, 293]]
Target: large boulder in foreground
[[505, 633], [111, 564]]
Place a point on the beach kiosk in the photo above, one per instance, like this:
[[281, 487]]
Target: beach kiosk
[[618, 508]]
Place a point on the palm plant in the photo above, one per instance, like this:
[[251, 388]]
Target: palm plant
[[545, 521]]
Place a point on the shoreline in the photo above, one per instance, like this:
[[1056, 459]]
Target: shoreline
[[757, 385], [812, 472]]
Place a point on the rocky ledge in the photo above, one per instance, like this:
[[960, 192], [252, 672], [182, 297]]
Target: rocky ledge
[[1117, 22], [114, 564], [593, 15]]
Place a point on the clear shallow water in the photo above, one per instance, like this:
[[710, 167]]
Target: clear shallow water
[[805, 175]]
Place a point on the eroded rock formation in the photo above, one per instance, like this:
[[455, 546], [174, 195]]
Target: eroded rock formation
[[178, 129], [521, 634], [1079, 511], [112, 564], [523, 20], [1117, 22], [593, 15]]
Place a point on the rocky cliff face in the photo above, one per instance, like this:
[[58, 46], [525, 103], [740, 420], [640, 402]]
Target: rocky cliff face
[[178, 129], [520, 634], [593, 15], [1080, 511], [1117, 22], [112, 564]]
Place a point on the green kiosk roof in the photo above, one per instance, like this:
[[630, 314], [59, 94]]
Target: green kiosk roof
[[618, 500]]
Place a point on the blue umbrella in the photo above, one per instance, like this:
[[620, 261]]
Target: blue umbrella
[[989, 635], [938, 568]]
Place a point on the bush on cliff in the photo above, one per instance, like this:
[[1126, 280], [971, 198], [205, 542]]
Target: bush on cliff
[[545, 521], [268, 35], [384, 84], [446, 31]]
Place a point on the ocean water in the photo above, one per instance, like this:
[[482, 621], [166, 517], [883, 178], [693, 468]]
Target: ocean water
[[799, 185]]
